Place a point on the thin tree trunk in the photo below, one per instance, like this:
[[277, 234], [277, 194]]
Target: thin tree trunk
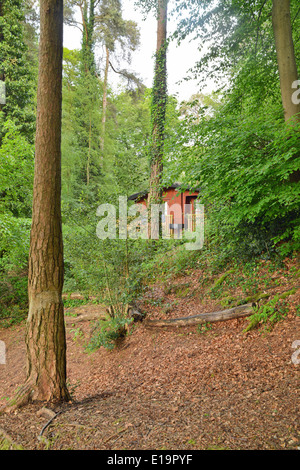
[[104, 100], [2, 77], [45, 336], [159, 104], [1, 30], [88, 23], [287, 67], [89, 154]]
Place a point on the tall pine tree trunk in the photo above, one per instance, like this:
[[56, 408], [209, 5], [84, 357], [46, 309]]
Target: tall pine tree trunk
[[159, 103], [45, 337], [287, 67]]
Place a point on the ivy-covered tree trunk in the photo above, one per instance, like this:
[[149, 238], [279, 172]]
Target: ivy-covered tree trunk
[[87, 94], [88, 22], [45, 337], [1, 30], [159, 103], [286, 59], [1, 45]]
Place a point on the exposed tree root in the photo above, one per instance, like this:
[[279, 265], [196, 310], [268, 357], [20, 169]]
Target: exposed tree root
[[49, 422], [22, 398]]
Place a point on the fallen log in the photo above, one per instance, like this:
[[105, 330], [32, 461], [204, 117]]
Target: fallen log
[[86, 313], [77, 296], [222, 315]]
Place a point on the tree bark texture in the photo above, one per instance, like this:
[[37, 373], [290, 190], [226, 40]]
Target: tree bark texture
[[45, 336], [287, 67]]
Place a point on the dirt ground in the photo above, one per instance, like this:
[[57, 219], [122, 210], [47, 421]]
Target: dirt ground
[[167, 389]]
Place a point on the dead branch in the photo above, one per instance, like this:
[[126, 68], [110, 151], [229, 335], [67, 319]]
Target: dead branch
[[49, 422], [77, 296], [222, 315]]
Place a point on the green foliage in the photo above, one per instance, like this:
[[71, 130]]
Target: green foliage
[[109, 268], [171, 259], [222, 278], [242, 162], [6, 443], [87, 172], [240, 152], [250, 277], [16, 172], [268, 314], [14, 241], [70, 303], [14, 248], [115, 32], [234, 145], [159, 104], [16, 70], [108, 333], [128, 141], [204, 328], [13, 298], [16, 176]]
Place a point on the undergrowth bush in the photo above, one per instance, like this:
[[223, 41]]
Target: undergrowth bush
[[14, 248], [108, 332], [269, 313], [13, 299]]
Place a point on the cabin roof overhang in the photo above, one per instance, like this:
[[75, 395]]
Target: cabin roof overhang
[[143, 194]]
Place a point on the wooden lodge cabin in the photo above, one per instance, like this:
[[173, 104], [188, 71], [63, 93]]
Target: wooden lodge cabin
[[176, 216]]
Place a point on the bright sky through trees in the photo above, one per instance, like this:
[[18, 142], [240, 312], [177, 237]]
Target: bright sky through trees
[[180, 59]]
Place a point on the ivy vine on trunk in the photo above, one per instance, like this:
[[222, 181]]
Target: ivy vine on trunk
[[159, 104]]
